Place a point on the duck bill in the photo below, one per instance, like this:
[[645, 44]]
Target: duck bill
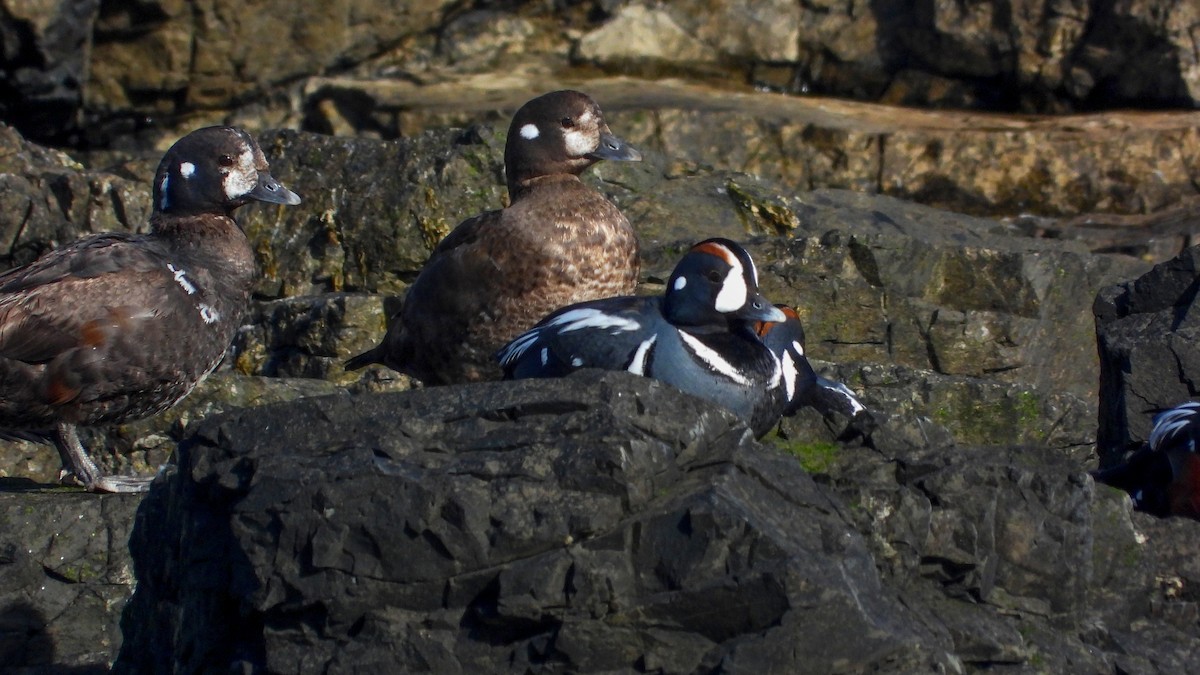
[[759, 308], [272, 191], [614, 149]]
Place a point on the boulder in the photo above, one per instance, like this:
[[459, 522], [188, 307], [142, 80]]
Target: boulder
[[65, 575], [606, 522], [1147, 329]]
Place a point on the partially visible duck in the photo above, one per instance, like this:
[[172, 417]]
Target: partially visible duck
[[558, 242], [1162, 477]]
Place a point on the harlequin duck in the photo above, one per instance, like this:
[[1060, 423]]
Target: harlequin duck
[[120, 326], [698, 337], [559, 242], [801, 385], [1163, 476]]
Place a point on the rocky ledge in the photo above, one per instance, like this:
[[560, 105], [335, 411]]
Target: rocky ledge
[[605, 522]]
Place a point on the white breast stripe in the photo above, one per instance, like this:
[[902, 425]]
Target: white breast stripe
[[789, 375], [577, 319], [637, 365], [181, 279], [712, 359]]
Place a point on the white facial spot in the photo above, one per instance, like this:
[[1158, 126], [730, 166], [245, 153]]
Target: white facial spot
[[164, 201], [680, 283], [181, 279], [186, 169], [734, 293], [585, 119], [579, 143], [578, 319], [530, 132], [242, 177], [637, 365], [208, 314], [710, 358]]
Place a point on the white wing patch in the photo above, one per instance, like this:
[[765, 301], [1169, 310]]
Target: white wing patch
[[637, 365], [1171, 422], [712, 359], [517, 347], [208, 314], [530, 132], [578, 319], [181, 279]]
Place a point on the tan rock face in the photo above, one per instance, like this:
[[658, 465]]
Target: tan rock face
[[171, 56]]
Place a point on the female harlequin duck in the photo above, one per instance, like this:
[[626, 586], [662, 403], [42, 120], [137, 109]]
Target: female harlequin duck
[[120, 326], [559, 242], [801, 385], [1163, 476], [698, 337]]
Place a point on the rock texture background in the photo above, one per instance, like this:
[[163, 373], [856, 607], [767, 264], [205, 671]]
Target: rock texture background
[[1005, 350]]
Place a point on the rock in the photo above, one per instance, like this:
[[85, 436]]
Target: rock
[[45, 55], [1146, 332], [65, 574], [164, 57], [606, 522]]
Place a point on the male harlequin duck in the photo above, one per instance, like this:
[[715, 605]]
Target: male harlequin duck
[[1163, 476], [120, 326], [801, 385], [559, 242], [698, 337]]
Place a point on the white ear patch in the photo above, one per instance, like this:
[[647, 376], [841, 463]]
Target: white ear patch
[[579, 143], [243, 177], [734, 292], [680, 283], [186, 169], [530, 132]]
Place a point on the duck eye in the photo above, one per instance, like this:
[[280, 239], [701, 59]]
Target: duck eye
[[225, 160], [567, 122], [714, 275]]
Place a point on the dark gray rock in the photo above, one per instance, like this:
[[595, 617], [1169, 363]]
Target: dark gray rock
[[65, 574], [45, 50], [1147, 330], [605, 522]]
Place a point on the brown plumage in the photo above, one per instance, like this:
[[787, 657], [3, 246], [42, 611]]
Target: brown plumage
[[496, 274], [119, 326]]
